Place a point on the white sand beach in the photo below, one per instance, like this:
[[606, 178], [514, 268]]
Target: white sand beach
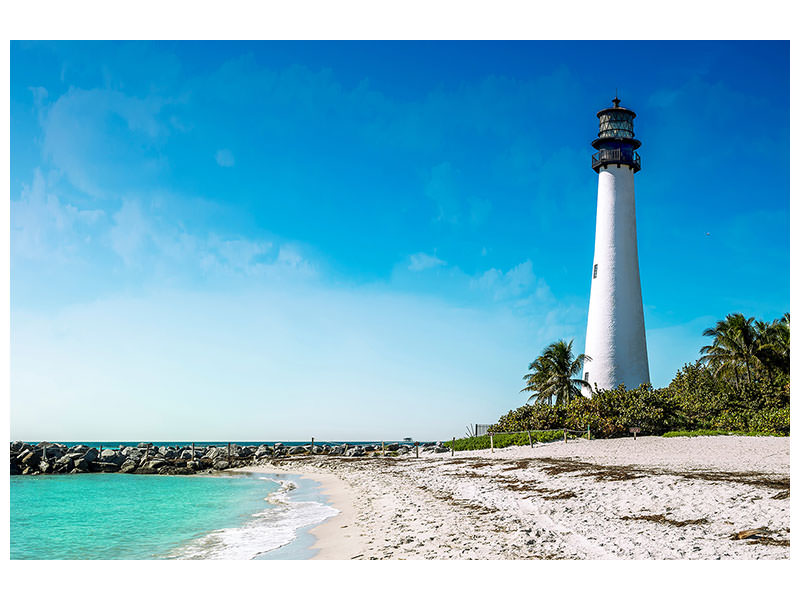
[[652, 498]]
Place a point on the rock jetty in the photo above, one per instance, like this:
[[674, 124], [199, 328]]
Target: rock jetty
[[146, 458]]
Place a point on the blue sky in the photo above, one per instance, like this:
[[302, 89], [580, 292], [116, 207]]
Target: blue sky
[[364, 240]]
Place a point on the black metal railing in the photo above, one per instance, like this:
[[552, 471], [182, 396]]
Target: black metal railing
[[619, 156]]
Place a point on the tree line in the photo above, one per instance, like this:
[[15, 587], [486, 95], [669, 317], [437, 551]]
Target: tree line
[[740, 382]]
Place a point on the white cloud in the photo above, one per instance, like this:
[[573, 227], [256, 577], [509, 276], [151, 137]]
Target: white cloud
[[224, 158], [44, 228], [81, 140], [421, 261], [512, 284], [129, 232]]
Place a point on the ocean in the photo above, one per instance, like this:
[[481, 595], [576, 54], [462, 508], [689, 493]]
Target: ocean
[[124, 516]]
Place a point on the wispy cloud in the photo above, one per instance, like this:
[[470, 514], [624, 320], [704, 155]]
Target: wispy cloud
[[421, 261], [224, 158]]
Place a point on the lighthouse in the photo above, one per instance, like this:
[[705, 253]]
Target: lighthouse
[[615, 337]]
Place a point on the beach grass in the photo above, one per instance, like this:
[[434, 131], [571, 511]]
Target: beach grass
[[503, 440], [704, 432]]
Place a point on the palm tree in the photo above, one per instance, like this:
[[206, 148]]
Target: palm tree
[[773, 345], [733, 349], [554, 374]]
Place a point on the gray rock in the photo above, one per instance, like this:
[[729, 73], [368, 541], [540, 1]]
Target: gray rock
[[111, 456], [105, 467], [65, 464], [357, 451], [194, 465], [337, 450], [91, 454], [298, 450], [393, 447], [80, 465], [45, 467], [155, 463], [80, 448], [221, 465], [30, 459], [129, 466]]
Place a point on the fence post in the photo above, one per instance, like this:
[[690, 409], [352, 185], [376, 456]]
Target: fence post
[[491, 441], [565, 436], [312, 444], [588, 432], [229, 450], [416, 447], [383, 449], [530, 439], [192, 450], [453, 448]]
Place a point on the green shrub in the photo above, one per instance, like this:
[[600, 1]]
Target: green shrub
[[709, 432], [772, 420], [694, 401], [528, 417], [502, 440]]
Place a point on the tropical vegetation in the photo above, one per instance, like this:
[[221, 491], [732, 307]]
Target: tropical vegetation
[[740, 383]]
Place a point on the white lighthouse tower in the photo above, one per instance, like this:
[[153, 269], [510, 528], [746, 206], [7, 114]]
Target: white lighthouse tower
[[615, 338]]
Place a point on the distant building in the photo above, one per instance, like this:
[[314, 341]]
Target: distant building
[[615, 337]]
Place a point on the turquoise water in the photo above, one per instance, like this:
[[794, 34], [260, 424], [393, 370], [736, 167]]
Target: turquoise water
[[122, 516]]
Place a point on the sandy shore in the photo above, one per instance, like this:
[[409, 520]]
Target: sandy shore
[[662, 498]]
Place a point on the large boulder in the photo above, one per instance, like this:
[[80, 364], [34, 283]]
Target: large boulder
[[80, 465], [194, 465], [15, 469], [337, 450], [80, 448], [105, 467], [298, 450], [129, 466], [221, 465], [45, 467], [112, 456], [155, 463], [91, 454], [357, 451], [393, 447], [65, 464], [30, 459]]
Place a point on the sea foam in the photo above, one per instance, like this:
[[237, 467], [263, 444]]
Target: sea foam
[[267, 530]]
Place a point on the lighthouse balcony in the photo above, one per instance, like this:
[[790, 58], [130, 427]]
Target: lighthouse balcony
[[616, 156]]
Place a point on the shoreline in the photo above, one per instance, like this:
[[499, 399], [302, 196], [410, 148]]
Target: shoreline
[[338, 537], [651, 498]]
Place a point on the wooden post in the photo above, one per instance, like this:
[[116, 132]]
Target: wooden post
[[229, 450], [192, 450], [312, 445], [383, 449], [416, 447], [491, 441], [530, 439], [453, 448], [101, 449], [588, 432], [565, 436]]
